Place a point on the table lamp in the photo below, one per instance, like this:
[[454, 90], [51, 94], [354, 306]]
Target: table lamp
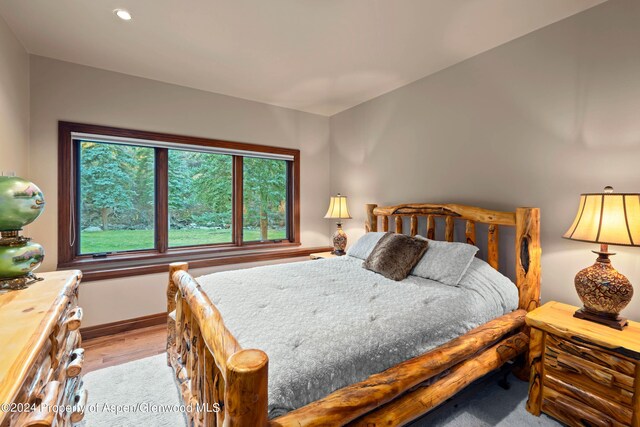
[[606, 218], [338, 210]]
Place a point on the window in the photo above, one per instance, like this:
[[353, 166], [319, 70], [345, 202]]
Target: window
[[116, 197], [200, 198], [137, 196], [265, 200]]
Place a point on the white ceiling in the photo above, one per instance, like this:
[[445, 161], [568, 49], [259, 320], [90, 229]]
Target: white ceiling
[[320, 56]]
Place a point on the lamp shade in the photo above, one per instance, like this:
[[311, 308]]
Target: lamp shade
[[338, 208], [607, 218]]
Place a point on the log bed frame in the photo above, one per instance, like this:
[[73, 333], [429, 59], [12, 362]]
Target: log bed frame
[[213, 370]]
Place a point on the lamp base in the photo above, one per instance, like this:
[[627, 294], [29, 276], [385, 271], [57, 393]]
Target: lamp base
[[616, 322], [604, 292], [339, 241]]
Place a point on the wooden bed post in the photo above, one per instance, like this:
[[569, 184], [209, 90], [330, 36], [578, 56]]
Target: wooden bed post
[[172, 289], [528, 254], [371, 223], [246, 389]]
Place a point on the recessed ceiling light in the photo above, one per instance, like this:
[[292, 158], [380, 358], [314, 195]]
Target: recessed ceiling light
[[123, 14]]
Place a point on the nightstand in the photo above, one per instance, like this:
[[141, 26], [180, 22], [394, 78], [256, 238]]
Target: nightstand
[[583, 373], [322, 255]]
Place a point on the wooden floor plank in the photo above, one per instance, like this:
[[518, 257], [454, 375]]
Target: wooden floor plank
[[111, 350]]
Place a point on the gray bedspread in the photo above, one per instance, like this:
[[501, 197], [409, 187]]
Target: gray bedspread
[[328, 323]]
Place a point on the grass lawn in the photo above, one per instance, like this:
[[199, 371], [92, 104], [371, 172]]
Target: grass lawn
[[127, 240]]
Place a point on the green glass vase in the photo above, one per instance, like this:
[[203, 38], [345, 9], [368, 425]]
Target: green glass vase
[[20, 259], [21, 203]]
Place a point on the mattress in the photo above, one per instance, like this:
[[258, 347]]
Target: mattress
[[329, 323]]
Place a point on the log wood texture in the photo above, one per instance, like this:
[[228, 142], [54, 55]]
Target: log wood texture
[[371, 223], [528, 253], [172, 290], [212, 368], [399, 224], [414, 225], [431, 227], [583, 373], [40, 358], [350, 402], [536, 350], [573, 412], [635, 406], [492, 246], [408, 407], [470, 232], [467, 212], [449, 228], [247, 382]]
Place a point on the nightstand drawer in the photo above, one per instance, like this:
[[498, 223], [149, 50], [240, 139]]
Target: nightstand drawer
[[574, 413], [611, 408], [565, 362], [591, 354], [616, 394]]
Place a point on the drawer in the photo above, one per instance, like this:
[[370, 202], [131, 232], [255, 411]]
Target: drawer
[[556, 345], [611, 408], [618, 394], [574, 413], [566, 362]]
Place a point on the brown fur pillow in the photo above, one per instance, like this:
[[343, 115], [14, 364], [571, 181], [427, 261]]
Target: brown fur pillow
[[395, 255]]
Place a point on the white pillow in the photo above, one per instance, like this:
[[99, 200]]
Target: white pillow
[[445, 262], [364, 245]]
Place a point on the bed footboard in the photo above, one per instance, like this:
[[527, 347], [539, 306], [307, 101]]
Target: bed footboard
[[221, 383]]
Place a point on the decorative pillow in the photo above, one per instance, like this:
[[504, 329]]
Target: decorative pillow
[[395, 255], [445, 262], [363, 247]]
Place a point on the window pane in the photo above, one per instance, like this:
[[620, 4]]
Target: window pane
[[116, 198], [200, 208], [265, 199]]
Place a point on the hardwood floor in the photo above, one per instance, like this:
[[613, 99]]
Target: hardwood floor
[[124, 347]]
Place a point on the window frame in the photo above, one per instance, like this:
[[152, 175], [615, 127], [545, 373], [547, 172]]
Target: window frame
[[68, 203]]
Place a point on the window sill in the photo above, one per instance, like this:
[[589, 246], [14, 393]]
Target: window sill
[[102, 269]]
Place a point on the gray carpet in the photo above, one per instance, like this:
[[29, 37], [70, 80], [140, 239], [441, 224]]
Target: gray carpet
[[137, 385]]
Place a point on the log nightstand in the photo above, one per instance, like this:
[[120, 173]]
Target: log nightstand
[[583, 373], [322, 255]]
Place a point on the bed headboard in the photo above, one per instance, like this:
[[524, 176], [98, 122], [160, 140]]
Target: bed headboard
[[525, 220]]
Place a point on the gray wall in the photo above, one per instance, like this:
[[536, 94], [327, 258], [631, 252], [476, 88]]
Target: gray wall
[[534, 122], [14, 103], [66, 91]]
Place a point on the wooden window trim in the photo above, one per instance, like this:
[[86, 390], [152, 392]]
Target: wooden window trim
[[147, 259]]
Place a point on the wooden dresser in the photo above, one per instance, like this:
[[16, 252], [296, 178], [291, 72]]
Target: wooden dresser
[[40, 355], [583, 373]]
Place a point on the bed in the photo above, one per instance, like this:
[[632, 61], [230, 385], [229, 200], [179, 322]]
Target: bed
[[378, 366]]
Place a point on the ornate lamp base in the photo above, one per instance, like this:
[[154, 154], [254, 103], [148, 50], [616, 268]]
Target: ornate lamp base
[[603, 291], [339, 241]]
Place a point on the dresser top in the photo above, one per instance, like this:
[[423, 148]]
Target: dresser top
[[557, 318], [27, 318]]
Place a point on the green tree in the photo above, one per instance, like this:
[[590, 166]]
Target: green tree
[[106, 179], [213, 185], [265, 190], [143, 186], [180, 192]]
